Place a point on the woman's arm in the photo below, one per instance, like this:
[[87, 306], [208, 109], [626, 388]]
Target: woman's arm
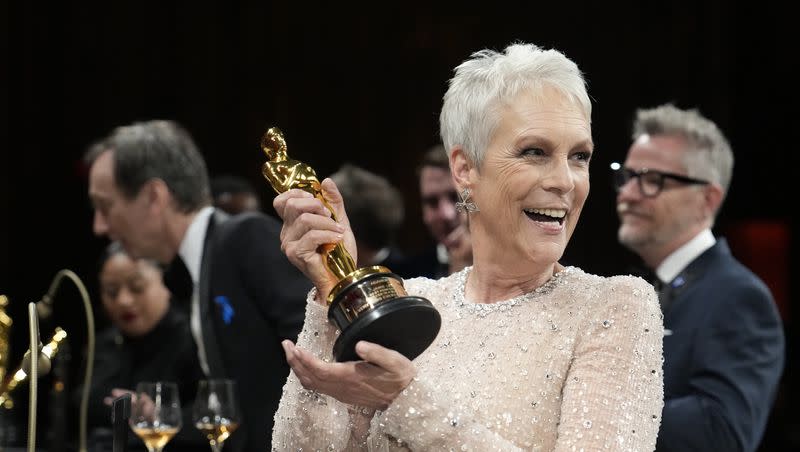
[[314, 408], [611, 399], [614, 392], [305, 418], [424, 418]]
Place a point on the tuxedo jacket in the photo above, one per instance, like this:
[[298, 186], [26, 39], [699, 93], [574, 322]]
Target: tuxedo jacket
[[393, 260], [425, 264], [723, 356], [251, 298]]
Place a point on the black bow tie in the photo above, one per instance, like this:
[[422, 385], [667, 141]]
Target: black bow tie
[[178, 280]]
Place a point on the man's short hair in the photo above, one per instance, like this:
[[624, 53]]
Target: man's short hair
[[157, 149], [435, 156]]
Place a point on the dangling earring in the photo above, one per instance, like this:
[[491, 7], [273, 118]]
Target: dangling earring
[[466, 204]]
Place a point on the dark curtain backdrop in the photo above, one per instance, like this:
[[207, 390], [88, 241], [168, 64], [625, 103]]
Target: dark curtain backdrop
[[364, 85]]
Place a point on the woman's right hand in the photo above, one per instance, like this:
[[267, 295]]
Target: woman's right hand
[[308, 229]]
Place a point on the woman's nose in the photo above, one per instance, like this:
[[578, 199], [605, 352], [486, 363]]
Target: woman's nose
[[99, 224]]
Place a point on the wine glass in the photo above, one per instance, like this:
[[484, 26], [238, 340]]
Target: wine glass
[[156, 413], [216, 411]]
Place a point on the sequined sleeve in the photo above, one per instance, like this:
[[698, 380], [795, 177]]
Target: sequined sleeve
[[611, 397], [307, 420], [424, 419], [613, 392]]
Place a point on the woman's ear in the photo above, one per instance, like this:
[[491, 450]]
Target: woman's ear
[[462, 168]]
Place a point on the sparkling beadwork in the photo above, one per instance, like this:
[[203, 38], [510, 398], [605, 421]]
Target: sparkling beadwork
[[502, 375]]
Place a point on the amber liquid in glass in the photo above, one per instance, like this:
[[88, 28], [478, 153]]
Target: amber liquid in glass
[[155, 413], [217, 432], [155, 438], [215, 413]]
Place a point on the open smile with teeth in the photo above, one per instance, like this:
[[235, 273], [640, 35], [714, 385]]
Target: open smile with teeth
[[556, 215]]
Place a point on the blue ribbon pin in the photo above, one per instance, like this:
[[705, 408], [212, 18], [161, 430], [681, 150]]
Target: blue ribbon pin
[[227, 311]]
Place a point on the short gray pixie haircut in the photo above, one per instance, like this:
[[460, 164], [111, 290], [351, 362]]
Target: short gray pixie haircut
[[489, 79], [709, 155]]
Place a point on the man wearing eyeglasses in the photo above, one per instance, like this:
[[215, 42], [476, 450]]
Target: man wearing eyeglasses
[[723, 341]]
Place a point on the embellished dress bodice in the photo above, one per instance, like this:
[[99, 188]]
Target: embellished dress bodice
[[575, 364]]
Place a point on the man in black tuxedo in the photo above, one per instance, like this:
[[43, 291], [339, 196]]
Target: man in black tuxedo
[[723, 338], [149, 187]]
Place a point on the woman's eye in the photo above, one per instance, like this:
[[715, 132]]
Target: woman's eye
[[533, 152], [583, 156], [137, 287]]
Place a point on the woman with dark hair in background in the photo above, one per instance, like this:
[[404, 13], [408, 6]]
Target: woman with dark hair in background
[[148, 340]]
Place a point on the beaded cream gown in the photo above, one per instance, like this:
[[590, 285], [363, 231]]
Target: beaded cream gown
[[574, 365]]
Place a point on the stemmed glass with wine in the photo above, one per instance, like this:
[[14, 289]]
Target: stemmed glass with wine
[[216, 411], [156, 413]]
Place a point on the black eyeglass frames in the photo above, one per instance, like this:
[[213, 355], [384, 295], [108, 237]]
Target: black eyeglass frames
[[651, 182]]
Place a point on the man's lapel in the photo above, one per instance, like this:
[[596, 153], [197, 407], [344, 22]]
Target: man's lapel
[[207, 311], [673, 291]]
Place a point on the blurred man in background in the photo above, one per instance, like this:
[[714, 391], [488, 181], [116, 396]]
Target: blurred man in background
[[453, 249], [375, 210], [723, 337], [234, 194], [149, 187]]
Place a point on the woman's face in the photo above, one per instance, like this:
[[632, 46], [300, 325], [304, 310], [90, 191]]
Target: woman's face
[[133, 294], [534, 179]]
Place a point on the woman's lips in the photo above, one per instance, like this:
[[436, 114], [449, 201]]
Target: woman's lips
[[128, 317]]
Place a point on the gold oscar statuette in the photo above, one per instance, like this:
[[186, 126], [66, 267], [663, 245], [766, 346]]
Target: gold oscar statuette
[[368, 303]]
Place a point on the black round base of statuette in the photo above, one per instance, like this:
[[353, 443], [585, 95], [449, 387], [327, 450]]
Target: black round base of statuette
[[407, 325]]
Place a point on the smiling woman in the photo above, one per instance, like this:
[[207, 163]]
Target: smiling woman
[[531, 355], [530, 183]]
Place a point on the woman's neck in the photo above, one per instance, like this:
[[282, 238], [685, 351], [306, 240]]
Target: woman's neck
[[491, 282]]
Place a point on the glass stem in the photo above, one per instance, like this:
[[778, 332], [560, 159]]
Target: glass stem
[[216, 447]]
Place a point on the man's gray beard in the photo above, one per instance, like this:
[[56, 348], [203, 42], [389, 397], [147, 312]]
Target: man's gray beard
[[633, 243]]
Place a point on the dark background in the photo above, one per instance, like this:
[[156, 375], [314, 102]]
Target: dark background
[[365, 85]]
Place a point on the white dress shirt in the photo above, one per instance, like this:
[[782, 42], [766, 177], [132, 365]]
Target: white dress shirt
[[674, 264], [191, 251]]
